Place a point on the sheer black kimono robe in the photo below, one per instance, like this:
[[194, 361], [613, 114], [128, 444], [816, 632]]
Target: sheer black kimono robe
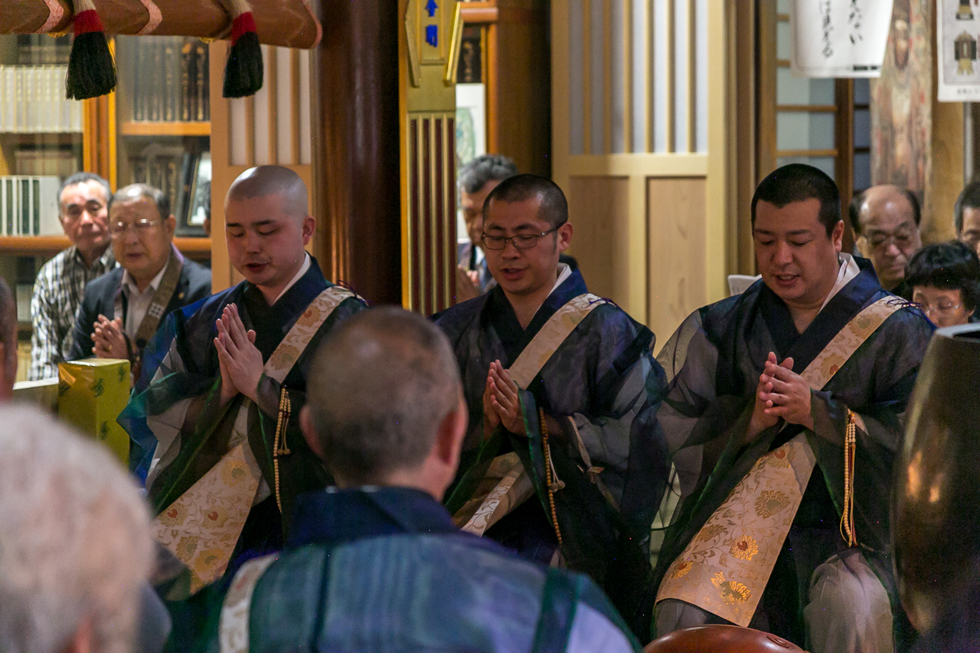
[[709, 404], [605, 379], [181, 364]]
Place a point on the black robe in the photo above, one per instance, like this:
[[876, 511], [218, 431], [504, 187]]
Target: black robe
[[710, 401]]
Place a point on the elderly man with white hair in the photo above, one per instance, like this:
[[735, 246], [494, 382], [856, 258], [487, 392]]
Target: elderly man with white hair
[[75, 548]]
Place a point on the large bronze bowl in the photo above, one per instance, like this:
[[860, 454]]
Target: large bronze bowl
[[936, 494]]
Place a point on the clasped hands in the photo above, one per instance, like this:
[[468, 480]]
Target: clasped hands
[[501, 402], [108, 339], [239, 358], [781, 394]]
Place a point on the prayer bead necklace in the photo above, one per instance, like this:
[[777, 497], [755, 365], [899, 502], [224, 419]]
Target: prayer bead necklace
[[285, 407], [547, 473]]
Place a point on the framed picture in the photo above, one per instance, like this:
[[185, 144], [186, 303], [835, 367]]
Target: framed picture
[[199, 198]]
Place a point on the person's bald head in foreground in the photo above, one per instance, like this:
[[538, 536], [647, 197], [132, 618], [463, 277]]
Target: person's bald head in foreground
[[385, 404], [267, 225], [75, 547]]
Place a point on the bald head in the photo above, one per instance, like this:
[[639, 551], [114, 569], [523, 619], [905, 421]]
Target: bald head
[[271, 180], [885, 219], [379, 390]]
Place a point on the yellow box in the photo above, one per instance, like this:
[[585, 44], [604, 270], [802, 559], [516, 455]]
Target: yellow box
[[91, 394]]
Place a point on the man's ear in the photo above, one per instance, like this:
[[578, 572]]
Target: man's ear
[[309, 432], [309, 227], [837, 235], [863, 246], [170, 224], [452, 431], [564, 236]]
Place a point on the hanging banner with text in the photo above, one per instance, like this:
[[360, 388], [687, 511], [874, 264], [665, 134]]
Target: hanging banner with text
[[957, 31], [839, 38]]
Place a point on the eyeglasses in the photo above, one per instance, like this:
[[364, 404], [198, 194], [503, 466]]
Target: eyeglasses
[[942, 308], [901, 238], [73, 212], [119, 229], [521, 241]]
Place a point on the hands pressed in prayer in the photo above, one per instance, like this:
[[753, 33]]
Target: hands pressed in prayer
[[787, 394], [109, 339], [761, 418], [501, 403], [239, 358]]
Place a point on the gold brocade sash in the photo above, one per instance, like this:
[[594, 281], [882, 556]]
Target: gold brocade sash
[[727, 565], [203, 525], [506, 485]]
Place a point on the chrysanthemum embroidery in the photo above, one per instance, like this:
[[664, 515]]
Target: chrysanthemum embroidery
[[779, 458], [732, 592], [681, 569], [233, 473], [710, 532], [744, 547], [174, 515], [770, 502]]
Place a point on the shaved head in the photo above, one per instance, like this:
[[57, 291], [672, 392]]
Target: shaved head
[[379, 388], [272, 180]]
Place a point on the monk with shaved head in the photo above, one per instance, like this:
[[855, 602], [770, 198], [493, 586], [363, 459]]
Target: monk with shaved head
[[214, 418]]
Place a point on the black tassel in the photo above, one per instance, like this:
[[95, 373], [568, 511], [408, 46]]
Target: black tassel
[[243, 71], [91, 70]]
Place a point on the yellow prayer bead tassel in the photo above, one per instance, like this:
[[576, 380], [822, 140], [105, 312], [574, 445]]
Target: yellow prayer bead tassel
[[285, 407], [850, 450], [547, 473]]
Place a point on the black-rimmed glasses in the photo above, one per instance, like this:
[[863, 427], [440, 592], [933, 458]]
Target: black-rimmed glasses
[[521, 241]]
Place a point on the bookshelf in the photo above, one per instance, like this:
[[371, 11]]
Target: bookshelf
[[47, 246], [143, 128], [155, 129]]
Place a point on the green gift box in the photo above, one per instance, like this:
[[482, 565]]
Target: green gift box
[[91, 394]]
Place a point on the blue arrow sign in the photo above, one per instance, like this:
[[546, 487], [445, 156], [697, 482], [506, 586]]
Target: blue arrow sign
[[431, 7], [432, 35]]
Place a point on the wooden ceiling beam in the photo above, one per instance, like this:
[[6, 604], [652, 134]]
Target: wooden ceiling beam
[[286, 23]]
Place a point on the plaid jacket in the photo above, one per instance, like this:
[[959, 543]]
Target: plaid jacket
[[58, 292]]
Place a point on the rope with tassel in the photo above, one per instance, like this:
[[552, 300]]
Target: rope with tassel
[[243, 70], [91, 70]]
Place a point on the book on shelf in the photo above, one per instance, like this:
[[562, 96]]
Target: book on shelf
[[170, 80], [32, 100], [35, 49], [45, 161], [29, 205], [184, 177]]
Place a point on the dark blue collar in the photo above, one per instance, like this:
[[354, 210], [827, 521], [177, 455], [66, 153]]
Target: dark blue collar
[[335, 516], [847, 303], [501, 315]]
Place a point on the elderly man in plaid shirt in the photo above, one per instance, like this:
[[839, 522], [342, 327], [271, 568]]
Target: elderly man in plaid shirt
[[60, 285]]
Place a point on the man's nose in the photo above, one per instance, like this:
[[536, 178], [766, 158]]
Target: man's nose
[[251, 242], [783, 254], [892, 251]]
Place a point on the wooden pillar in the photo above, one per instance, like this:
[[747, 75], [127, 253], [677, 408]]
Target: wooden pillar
[[355, 127]]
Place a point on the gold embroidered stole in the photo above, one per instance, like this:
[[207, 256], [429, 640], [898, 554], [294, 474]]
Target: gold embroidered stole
[[727, 565], [233, 628], [203, 525], [506, 485]]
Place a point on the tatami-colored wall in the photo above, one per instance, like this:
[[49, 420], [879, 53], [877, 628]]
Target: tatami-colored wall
[[640, 147]]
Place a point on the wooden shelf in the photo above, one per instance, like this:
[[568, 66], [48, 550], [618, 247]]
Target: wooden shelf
[[195, 248], [132, 128]]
